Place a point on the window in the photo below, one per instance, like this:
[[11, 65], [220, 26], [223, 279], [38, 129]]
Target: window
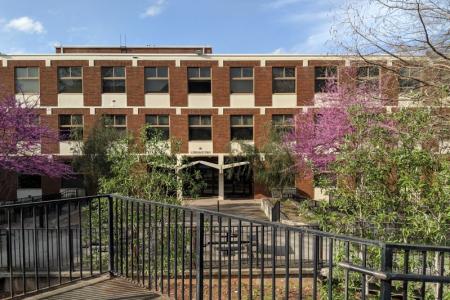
[[70, 127], [199, 80], [156, 80], [407, 81], [242, 128], [27, 80], [200, 128], [70, 80], [118, 122], [113, 79], [369, 76], [75, 181], [324, 76], [283, 80], [241, 80], [159, 125], [283, 123], [28, 181]]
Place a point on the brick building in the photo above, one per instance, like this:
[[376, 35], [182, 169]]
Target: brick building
[[204, 100]]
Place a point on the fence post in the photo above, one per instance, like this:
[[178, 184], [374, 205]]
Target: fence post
[[199, 251], [111, 234], [386, 266]]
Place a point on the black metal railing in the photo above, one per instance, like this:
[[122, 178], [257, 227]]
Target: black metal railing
[[189, 253]]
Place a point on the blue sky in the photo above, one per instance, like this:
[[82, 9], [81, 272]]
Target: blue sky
[[229, 26]]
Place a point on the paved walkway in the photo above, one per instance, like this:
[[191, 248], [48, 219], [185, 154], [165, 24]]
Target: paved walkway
[[102, 288], [249, 208]]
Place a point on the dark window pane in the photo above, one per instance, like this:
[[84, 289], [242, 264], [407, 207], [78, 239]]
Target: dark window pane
[[320, 71], [241, 86], [163, 120], [247, 120], [113, 86], [200, 134], [64, 72], [242, 133], [236, 120], [373, 71], [235, 72], [150, 72], [247, 72], [199, 86], [107, 72], [29, 182], [121, 119], [205, 120], [21, 72], [290, 72], [205, 72], [119, 72], [70, 86], [320, 85], [77, 120], [284, 86], [161, 132], [73, 182], [163, 72], [157, 86], [75, 71], [27, 86], [277, 72], [193, 72], [151, 119], [64, 120], [194, 120]]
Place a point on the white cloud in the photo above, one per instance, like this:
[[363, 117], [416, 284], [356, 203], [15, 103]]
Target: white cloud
[[155, 9], [25, 24]]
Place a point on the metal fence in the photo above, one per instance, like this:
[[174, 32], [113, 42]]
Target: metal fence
[[190, 253]]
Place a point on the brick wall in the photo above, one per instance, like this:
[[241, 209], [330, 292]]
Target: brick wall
[[221, 86], [135, 86], [221, 133], [263, 86], [92, 86], [179, 131]]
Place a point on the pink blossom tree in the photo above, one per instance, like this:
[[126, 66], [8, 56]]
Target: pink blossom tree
[[21, 134]]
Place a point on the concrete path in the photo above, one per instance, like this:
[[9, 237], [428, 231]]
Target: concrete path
[[249, 208]]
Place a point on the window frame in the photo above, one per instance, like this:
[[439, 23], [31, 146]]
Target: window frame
[[114, 79], [61, 79], [200, 126], [284, 78], [157, 78], [325, 78], [242, 78], [367, 78], [70, 128], [284, 126], [199, 79], [242, 125], [409, 78], [117, 127], [158, 126], [16, 79]]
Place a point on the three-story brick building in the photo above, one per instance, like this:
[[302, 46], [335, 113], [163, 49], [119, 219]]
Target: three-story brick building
[[204, 100]]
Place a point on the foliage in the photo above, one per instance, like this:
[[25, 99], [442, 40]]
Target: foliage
[[92, 160], [388, 179], [21, 135], [272, 164], [148, 169]]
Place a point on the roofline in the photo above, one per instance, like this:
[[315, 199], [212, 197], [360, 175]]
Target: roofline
[[131, 46]]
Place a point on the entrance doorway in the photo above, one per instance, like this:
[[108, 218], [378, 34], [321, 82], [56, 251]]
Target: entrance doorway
[[238, 181], [209, 175]]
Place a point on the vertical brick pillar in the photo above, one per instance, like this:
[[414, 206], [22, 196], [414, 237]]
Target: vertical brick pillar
[[135, 86], [263, 86], [178, 86], [50, 146], [305, 86], [389, 87], [179, 131], [6, 81], [92, 86], [221, 86], [50, 185], [8, 188], [221, 133], [48, 86], [261, 129]]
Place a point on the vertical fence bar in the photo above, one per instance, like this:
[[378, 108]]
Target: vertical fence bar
[[300, 267], [250, 280], [36, 258], [155, 258], [386, 266], [210, 287], [346, 272], [286, 266], [121, 237], [168, 249], [22, 233], [69, 234], [262, 264], [199, 252], [363, 276], [90, 238], [229, 259], [100, 234], [47, 244], [274, 250], [80, 238], [330, 269], [424, 272], [405, 270], [219, 277], [175, 267], [111, 235], [126, 239], [58, 245], [132, 239], [149, 246], [143, 245], [315, 265], [9, 254], [183, 251], [137, 247], [441, 273], [239, 259], [162, 251]]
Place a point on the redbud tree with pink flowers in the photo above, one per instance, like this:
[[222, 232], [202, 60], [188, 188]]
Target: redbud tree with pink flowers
[[21, 135], [384, 171]]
